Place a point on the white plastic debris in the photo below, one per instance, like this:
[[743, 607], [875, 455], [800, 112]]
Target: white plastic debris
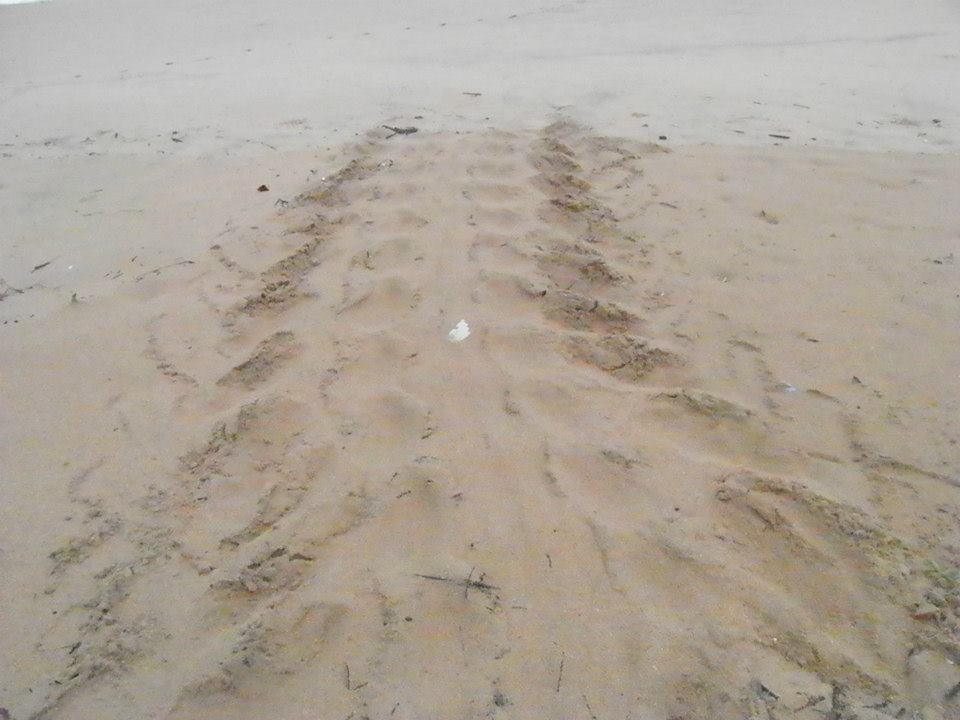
[[460, 332]]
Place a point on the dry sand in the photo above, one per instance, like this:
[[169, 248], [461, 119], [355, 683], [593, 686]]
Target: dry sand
[[696, 459]]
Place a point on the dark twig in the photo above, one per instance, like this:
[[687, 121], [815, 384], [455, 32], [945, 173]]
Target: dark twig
[[475, 584], [157, 271], [560, 675], [8, 289], [466, 585], [811, 701], [400, 130]]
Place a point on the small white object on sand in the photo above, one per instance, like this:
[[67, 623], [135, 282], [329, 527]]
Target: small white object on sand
[[460, 333]]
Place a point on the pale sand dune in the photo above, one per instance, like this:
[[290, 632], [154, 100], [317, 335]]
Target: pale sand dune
[[697, 458]]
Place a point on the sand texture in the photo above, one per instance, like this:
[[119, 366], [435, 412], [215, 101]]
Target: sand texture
[[697, 458]]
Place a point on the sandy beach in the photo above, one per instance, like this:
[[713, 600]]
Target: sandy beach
[[593, 360]]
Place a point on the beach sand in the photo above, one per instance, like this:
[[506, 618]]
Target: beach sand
[[696, 458]]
